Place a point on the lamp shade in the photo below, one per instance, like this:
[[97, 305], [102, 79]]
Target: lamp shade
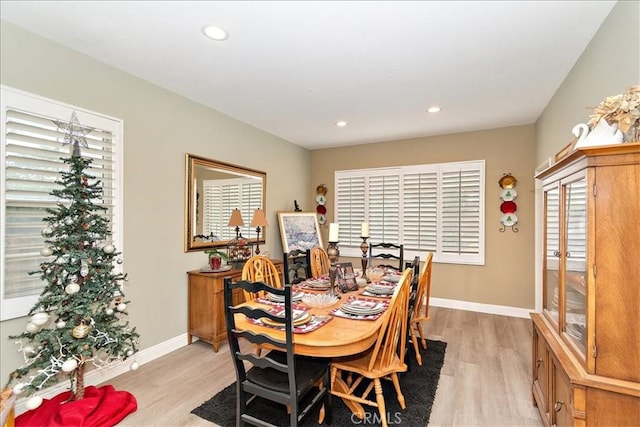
[[259, 219], [236, 219]]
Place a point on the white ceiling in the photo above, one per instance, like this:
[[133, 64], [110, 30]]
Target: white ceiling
[[294, 68]]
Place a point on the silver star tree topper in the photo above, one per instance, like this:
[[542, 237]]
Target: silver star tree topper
[[74, 133]]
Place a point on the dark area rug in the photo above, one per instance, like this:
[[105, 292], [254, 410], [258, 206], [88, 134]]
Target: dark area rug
[[419, 387]]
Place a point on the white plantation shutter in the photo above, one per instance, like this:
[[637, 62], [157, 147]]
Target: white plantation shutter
[[461, 213], [32, 147], [428, 208], [576, 233], [214, 196], [350, 207], [420, 210], [251, 200], [384, 206], [552, 200], [221, 197]]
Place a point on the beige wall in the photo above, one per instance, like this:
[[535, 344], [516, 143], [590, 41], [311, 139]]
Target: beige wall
[[160, 127], [609, 65], [507, 276]]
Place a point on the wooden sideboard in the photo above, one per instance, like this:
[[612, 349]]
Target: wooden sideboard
[[206, 304]]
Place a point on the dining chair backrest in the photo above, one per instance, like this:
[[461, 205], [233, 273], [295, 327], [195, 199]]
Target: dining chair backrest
[[278, 375], [419, 310], [415, 266], [388, 255], [393, 331], [297, 266], [423, 293], [319, 262], [259, 268]]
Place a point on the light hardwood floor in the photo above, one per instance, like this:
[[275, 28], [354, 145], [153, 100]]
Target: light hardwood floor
[[485, 380]]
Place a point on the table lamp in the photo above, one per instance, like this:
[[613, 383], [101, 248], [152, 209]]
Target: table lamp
[[236, 221], [259, 220]]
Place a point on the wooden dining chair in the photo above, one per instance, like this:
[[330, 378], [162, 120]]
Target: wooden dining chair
[[420, 312], [413, 292], [298, 383], [319, 262], [259, 268], [384, 360], [297, 266], [387, 255]]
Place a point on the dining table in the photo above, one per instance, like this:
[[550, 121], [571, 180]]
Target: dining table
[[338, 336]]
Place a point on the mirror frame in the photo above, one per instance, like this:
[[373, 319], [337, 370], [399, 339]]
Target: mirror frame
[[191, 162]]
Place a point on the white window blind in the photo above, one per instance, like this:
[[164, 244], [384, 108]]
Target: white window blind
[[460, 211], [420, 210], [428, 208], [32, 148], [351, 199], [576, 232], [552, 201], [221, 197], [384, 206]]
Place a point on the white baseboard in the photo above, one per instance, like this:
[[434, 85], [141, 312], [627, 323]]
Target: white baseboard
[[98, 376], [481, 308]]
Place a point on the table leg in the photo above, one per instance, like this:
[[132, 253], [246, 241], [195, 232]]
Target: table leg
[[341, 387]]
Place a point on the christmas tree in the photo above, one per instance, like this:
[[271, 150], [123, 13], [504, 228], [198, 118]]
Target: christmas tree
[[78, 319]]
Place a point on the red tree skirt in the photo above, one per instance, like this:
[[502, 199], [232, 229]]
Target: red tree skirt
[[101, 406]]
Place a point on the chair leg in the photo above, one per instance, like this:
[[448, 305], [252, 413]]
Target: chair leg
[[334, 374], [382, 409], [422, 336], [414, 341], [396, 385], [241, 405]]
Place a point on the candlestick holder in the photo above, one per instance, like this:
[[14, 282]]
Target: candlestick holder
[[364, 247], [333, 254]]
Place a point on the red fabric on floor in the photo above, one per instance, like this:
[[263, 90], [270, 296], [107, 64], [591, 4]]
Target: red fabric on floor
[[101, 406]]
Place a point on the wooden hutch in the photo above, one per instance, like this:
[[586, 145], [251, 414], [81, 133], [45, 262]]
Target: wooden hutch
[[586, 340]]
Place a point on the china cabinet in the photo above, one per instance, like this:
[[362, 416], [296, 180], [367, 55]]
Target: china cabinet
[[586, 340], [206, 304]]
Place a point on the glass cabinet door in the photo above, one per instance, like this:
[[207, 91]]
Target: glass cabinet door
[[551, 277], [575, 253]]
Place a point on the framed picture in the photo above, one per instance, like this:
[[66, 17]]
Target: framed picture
[[299, 230], [346, 277]]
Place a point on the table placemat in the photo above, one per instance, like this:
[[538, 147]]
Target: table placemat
[[339, 313], [313, 324]]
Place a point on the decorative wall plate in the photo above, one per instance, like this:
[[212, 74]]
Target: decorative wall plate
[[322, 219], [321, 199], [509, 220], [508, 207], [508, 181], [508, 194]]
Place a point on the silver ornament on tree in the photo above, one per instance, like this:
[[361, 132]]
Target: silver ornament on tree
[[46, 251]]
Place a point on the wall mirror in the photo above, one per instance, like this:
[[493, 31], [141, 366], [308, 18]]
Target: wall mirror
[[213, 191]]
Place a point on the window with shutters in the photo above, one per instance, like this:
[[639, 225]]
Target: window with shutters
[[32, 147], [576, 224], [221, 197], [435, 208]]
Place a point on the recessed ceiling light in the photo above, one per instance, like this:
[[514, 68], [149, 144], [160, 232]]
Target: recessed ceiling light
[[214, 33], [433, 110], [341, 123]]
